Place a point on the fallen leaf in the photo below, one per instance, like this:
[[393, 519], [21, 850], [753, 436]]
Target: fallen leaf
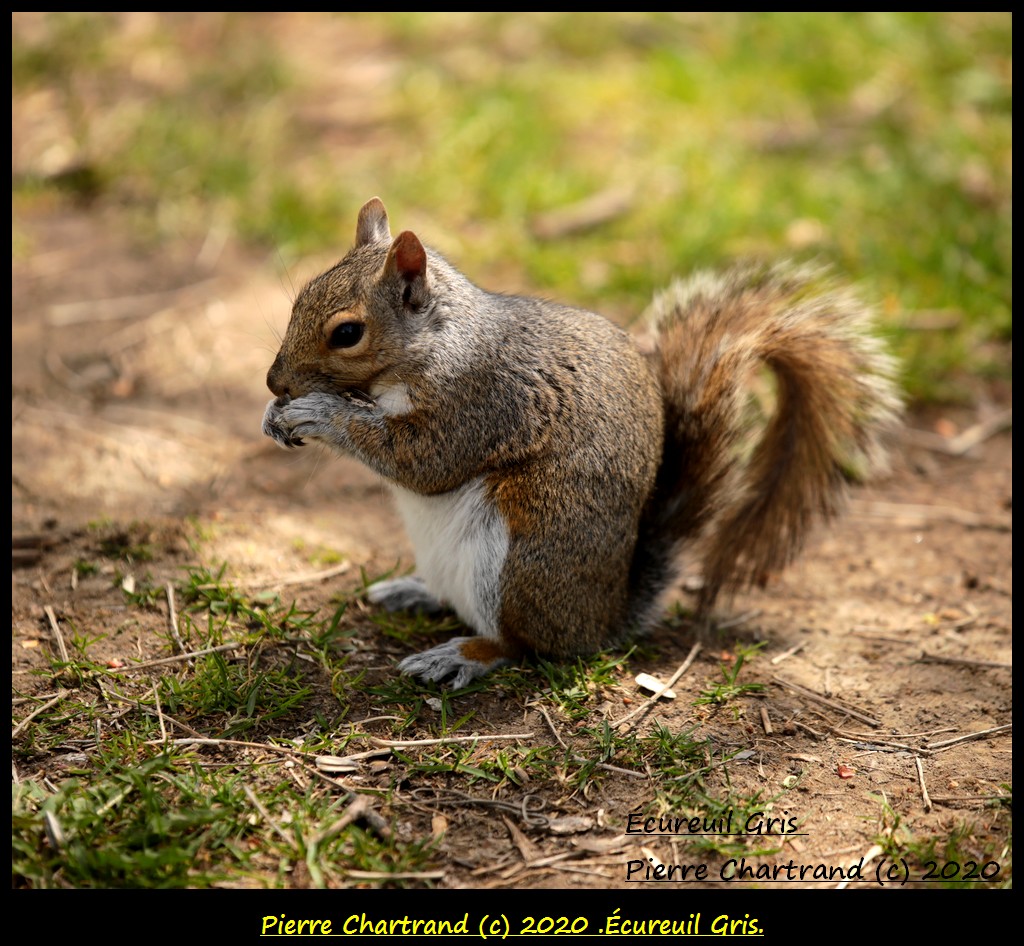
[[333, 763], [652, 684], [570, 824]]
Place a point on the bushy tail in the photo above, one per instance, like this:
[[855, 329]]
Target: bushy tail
[[835, 399]]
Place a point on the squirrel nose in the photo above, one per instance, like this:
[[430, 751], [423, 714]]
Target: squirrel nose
[[274, 381]]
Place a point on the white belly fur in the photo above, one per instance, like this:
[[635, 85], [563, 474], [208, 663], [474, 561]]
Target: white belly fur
[[461, 542]]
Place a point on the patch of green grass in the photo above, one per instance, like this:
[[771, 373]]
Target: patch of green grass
[[230, 697], [130, 545], [187, 120], [114, 831], [63, 727], [969, 854], [574, 687], [887, 152], [166, 821], [878, 142], [84, 568], [730, 687], [206, 590], [673, 753], [203, 772], [157, 779], [79, 667], [424, 703], [319, 554], [416, 628], [140, 594]]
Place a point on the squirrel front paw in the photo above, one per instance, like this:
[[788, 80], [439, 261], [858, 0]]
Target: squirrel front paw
[[276, 426], [315, 415]]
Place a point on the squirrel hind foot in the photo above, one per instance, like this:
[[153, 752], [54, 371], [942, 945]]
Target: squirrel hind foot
[[463, 659], [403, 594]]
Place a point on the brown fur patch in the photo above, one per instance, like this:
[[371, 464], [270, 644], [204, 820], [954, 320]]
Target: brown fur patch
[[486, 651], [514, 495]]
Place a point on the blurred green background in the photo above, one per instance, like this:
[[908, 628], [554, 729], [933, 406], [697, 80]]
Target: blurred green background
[[585, 157]]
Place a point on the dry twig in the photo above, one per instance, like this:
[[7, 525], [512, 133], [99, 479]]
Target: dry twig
[[135, 307], [554, 732], [178, 658], [258, 805], [62, 649], [917, 514], [964, 441], [964, 662], [873, 744], [653, 699], [306, 578], [448, 740], [39, 709], [586, 214], [786, 654], [833, 704], [920, 780], [159, 714], [172, 617], [980, 734]]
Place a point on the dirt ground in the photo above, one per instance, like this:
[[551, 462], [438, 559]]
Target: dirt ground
[[137, 394]]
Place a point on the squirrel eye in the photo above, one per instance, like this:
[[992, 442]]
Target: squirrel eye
[[346, 334]]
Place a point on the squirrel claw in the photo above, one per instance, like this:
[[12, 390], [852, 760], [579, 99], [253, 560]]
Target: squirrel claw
[[447, 660], [275, 430]]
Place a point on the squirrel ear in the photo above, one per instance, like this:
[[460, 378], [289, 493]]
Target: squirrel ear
[[372, 226], [408, 261]]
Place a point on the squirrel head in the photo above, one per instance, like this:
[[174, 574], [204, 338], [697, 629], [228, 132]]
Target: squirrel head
[[351, 326]]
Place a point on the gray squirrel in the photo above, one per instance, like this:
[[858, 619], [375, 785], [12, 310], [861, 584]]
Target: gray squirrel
[[548, 473]]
